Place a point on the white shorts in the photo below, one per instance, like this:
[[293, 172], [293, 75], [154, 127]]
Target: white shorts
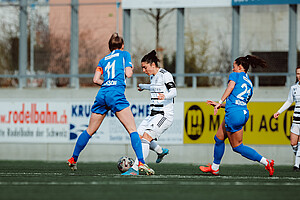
[[154, 126], [295, 128]]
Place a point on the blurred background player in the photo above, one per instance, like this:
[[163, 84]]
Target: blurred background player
[[163, 91], [114, 67], [237, 95], [294, 95]]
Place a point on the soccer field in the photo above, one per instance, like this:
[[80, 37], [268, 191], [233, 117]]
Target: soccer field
[[54, 180]]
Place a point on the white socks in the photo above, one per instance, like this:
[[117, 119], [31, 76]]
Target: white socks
[[155, 147], [297, 157], [145, 148], [295, 148], [215, 167], [264, 161]]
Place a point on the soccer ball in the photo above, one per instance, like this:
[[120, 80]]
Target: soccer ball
[[124, 163]]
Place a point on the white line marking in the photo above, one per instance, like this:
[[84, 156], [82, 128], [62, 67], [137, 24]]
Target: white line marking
[[15, 174], [219, 177], [28, 174], [236, 183]]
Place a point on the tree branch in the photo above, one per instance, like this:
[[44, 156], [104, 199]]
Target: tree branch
[[167, 12]]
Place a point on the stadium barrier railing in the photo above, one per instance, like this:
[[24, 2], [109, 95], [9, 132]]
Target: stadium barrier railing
[[48, 78]]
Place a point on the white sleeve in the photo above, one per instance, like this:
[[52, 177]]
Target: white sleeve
[[144, 86], [170, 84], [171, 94], [288, 103]]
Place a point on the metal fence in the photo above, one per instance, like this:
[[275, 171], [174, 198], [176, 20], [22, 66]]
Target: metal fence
[[49, 79], [47, 65], [42, 41]]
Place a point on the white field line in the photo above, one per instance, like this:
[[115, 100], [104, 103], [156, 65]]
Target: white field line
[[29, 174], [220, 177], [215, 183], [200, 177]]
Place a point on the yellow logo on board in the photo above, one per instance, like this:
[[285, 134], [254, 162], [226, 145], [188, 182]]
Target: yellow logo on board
[[200, 125], [194, 122]]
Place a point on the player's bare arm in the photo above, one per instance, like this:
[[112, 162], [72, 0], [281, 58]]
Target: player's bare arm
[[213, 103], [129, 71], [97, 78], [227, 92]]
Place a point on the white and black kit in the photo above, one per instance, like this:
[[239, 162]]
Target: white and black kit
[[294, 96], [162, 111]]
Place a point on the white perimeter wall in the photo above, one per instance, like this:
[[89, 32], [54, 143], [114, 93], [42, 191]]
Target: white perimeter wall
[[182, 153]]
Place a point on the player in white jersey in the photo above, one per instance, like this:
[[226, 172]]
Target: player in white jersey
[[163, 91], [294, 96]]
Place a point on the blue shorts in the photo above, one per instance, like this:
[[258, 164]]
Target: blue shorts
[[235, 121], [109, 99]]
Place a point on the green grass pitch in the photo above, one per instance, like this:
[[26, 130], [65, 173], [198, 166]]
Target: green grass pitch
[[54, 180]]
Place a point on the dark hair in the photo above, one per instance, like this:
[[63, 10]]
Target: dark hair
[[252, 61], [298, 67], [115, 42], [150, 58]]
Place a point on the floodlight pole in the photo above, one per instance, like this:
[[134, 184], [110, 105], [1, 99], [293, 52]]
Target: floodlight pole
[[180, 47], [32, 39], [117, 15], [126, 29], [235, 41], [292, 55], [74, 81], [23, 43]]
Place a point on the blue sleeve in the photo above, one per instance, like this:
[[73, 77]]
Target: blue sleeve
[[127, 57], [233, 77], [100, 63]]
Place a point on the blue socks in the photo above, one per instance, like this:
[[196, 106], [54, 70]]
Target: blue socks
[[218, 150], [247, 152], [137, 146], [82, 140]]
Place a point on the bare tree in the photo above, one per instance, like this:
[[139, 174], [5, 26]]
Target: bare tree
[[197, 44], [89, 51], [155, 16], [223, 60]]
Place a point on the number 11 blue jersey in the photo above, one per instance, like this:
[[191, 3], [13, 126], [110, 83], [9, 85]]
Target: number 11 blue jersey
[[111, 94], [113, 68]]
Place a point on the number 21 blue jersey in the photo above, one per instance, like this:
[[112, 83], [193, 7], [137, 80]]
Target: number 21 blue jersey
[[241, 93]]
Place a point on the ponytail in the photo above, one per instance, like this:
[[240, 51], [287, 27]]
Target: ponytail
[[298, 67], [150, 58], [251, 60], [115, 42]]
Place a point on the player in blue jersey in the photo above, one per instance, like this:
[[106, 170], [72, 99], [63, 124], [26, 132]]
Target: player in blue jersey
[[237, 95], [114, 68]]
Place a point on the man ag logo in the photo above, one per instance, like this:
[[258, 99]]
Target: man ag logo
[[194, 122]]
